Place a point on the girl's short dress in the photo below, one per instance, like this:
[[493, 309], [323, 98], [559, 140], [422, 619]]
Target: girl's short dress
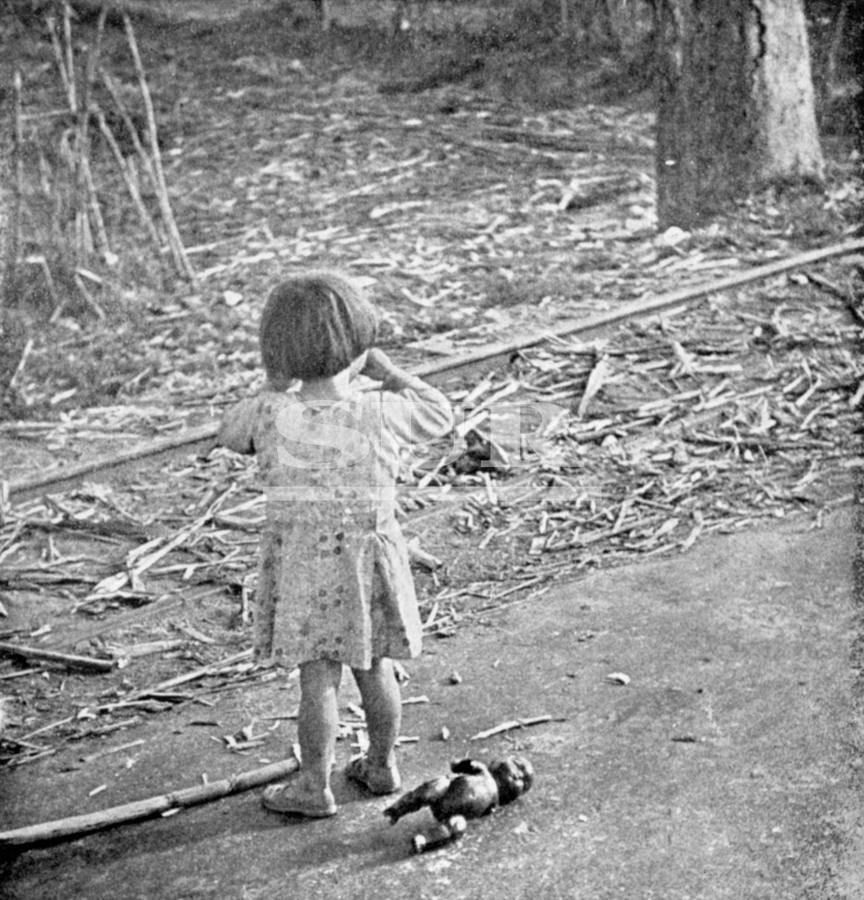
[[334, 578]]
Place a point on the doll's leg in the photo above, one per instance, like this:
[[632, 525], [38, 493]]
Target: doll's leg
[[382, 703], [317, 725], [424, 795], [440, 833]]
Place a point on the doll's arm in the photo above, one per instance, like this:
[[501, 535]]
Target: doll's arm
[[468, 767], [238, 423]]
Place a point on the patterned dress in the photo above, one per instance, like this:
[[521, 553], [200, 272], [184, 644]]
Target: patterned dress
[[334, 577]]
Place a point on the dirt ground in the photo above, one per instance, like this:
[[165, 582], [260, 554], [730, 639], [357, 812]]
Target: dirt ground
[[480, 207], [703, 740]]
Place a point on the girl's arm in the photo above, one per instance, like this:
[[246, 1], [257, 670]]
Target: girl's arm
[[238, 422], [422, 411]]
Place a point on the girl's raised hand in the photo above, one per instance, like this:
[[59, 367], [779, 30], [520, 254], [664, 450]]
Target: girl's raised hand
[[357, 366], [378, 365]]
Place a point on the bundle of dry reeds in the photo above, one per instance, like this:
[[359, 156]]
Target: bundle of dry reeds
[[68, 186]]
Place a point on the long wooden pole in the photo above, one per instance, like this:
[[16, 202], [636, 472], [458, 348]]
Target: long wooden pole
[[74, 826], [646, 306], [111, 460], [40, 654]]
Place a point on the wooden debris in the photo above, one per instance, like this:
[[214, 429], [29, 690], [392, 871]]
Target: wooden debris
[[195, 675], [205, 434], [511, 725], [120, 748], [87, 823], [38, 654], [595, 382], [123, 654]]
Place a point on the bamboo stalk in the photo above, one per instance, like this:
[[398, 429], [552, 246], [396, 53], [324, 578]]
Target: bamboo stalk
[[17, 211], [114, 91], [83, 140], [13, 247], [50, 284], [510, 726], [131, 186], [86, 196], [59, 58], [65, 65], [70, 58], [83, 233], [92, 60], [176, 242], [88, 297], [137, 810], [86, 663], [22, 362], [92, 200], [208, 432], [141, 153], [107, 461], [196, 674]]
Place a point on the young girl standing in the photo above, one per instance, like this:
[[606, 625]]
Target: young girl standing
[[335, 586]]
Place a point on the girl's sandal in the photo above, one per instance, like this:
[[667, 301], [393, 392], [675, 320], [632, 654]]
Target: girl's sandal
[[285, 798], [376, 779]]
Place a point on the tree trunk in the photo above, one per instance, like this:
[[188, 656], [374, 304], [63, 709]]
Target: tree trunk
[[736, 105]]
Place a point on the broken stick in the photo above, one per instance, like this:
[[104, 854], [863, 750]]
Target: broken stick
[[73, 826], [510, 726], [87, 663]]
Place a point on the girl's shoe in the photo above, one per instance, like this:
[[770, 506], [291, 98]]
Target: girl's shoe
[[376, 779], [288, 798]]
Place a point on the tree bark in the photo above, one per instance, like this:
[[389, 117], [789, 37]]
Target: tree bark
[[735, 103]]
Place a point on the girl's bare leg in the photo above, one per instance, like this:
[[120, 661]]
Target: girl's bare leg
[[318, 720], [317, 724], [382, 702]]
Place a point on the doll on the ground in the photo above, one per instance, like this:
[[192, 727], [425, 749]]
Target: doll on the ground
[[473, 790], [335, 586]]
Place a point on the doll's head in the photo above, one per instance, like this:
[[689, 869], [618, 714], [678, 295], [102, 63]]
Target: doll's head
[[314, 326], [513, 775]]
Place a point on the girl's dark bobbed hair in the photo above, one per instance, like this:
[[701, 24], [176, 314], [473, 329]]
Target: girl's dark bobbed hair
[[314, 326]]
